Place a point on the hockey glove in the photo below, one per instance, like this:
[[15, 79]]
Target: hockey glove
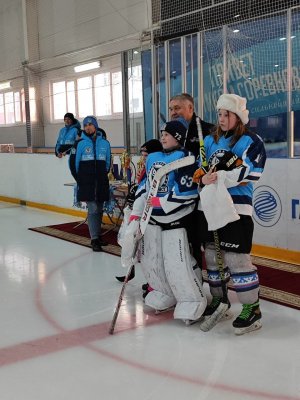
[[198, 175], [228, 162], [131, 195]]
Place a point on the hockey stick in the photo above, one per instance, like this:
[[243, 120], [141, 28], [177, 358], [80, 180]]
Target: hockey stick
[[160, 173], [118, 306], [213, 319]]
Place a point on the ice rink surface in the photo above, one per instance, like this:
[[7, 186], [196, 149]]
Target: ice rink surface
[[57, 302]]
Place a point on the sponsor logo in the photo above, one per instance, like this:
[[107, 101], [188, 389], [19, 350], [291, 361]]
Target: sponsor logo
[[267, 206], [163, 183], [232, 245], [215, 157]]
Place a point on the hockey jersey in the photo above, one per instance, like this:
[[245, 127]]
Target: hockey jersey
[[239, 181], [177, 192]]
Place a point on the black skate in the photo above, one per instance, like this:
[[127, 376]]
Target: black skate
[[214, 312], [249, 319]]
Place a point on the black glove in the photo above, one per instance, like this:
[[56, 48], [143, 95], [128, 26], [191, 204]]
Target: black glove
[[131, 195], [228, 161]]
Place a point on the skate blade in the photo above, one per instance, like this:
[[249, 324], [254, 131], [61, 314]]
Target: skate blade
[[212, 320], [189, 322], [254, 327], [157, 312]]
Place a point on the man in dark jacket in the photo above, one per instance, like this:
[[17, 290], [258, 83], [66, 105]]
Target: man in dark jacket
[[90, 163], [182, 105]]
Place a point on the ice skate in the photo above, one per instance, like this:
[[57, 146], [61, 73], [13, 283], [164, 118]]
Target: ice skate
[[249, 319], [215, 312]]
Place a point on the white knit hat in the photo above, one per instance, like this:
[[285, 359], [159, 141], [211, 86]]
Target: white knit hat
[[235, 104]]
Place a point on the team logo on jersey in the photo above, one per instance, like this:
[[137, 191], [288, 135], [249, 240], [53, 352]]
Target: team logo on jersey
[[88, 150], [267, 206], [163, 187], [215, 157]]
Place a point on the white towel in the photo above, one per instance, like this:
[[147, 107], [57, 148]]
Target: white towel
[[217, 204]]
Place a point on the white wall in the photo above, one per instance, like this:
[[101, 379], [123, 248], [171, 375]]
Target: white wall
[[40, 178]]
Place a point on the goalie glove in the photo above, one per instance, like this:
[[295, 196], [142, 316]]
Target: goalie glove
[[228, 162], [198, 175], [131, 195]]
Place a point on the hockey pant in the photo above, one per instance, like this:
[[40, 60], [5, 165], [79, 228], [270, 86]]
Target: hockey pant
[[239, 268], [167, 264]]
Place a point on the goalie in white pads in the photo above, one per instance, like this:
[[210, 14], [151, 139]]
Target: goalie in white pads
[[166, 260], [239, 158]]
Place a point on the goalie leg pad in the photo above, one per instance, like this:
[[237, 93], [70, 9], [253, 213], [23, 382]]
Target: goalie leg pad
[[213, 274], [129, 244], [244, 276], [185, 285], [152, 264]]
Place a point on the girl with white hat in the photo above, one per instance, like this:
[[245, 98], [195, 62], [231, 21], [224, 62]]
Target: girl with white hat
[[237, 156]]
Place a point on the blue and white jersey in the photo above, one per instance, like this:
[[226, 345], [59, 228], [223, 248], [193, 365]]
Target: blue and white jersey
[[177, 192], [239, 181]]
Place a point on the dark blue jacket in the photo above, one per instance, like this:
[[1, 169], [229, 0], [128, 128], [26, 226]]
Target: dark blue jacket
[[89, 164]]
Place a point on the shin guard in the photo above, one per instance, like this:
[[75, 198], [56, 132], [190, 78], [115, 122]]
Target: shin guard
[[185, 285], [244, 276], [161, 297]]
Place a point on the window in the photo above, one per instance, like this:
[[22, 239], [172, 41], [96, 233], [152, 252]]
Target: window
[[9, 107], [12, 107], [2, 115], [85, 96], [135, 89], [102, 94], [59, 99], [99, 94], [71, 107], [18, 114], [117, 92]]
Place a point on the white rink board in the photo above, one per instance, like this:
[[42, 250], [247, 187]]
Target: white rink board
[[280, 202], [40, 178]]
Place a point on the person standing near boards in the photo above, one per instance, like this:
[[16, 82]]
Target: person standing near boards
[[90, 162], [236, 155]]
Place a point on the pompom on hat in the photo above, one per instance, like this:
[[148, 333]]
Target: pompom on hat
[[177, 128], [90, 119], [235, 104]]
